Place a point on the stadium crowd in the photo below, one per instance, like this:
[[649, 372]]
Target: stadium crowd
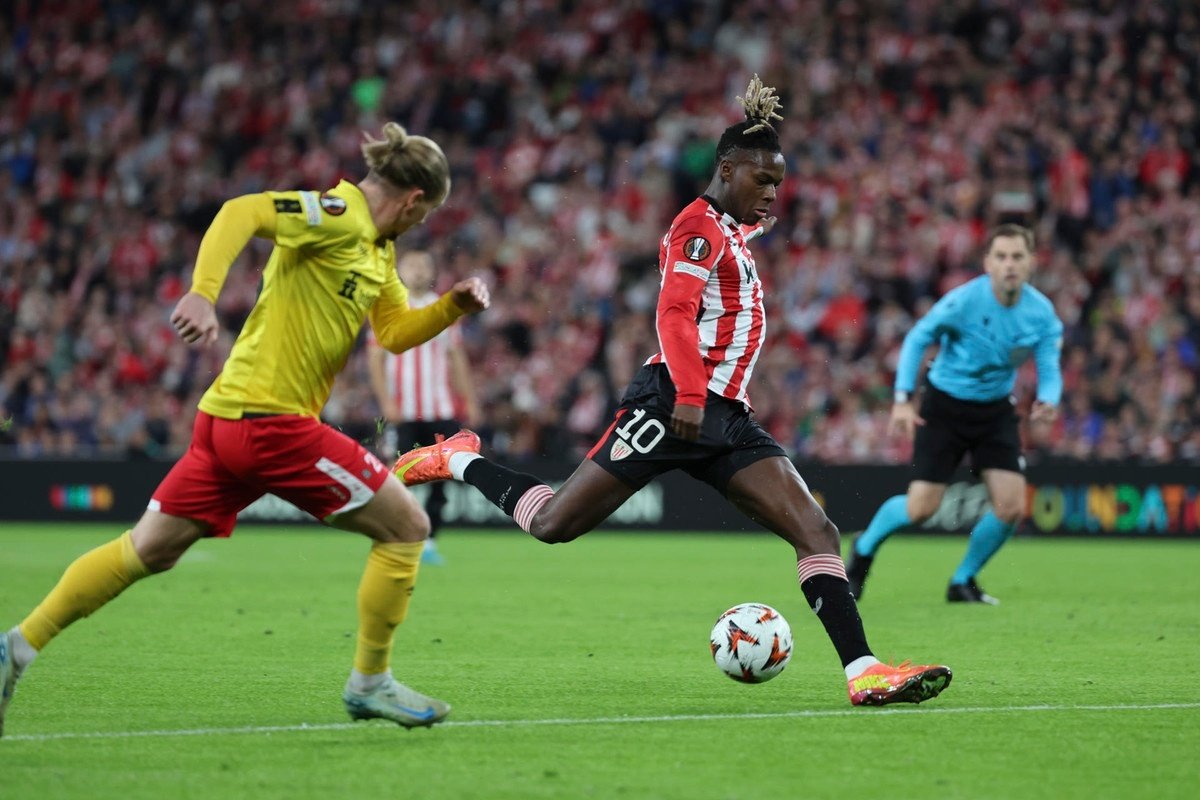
[[576, 131]]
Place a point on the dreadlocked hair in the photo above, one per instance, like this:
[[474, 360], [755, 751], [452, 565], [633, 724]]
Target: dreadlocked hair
[[755, 132], [408, 162]]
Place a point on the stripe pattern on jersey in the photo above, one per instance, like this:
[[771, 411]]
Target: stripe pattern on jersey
[[732, 322]]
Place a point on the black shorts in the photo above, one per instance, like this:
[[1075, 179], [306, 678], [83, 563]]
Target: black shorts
[[953, 427], [639, 445]]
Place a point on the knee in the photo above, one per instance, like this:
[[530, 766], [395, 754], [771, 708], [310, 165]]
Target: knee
[[157, 554], [552, 529], [829, 532], [821, 536], [922, 509], [919, 515], [157, 562], [413, 527], [418, 527], [1008, 513]]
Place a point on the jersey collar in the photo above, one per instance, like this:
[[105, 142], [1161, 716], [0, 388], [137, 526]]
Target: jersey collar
[[726, 217], [991, 293]]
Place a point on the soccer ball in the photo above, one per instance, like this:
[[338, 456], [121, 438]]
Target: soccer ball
[[751, 643]]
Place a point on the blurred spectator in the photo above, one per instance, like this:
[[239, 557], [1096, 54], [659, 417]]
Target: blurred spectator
[[576, 131]]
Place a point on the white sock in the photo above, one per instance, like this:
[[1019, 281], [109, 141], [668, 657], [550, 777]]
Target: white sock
[[859, 665], [361, 683], [22, 651], [458, 463]]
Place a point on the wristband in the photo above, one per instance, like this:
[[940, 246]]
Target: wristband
[[900, 397]]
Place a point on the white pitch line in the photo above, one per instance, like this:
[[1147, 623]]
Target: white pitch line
[[519, 723]]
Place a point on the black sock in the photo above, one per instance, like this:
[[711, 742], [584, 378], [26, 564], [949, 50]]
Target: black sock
[[503, 486], [830, 598]]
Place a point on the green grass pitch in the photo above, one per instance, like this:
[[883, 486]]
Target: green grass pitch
[[582, 671]]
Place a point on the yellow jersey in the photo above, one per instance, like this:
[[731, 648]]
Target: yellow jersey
[[328, 271]]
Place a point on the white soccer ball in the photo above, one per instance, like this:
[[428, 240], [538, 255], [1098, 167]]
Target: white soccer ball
[[751, 643]]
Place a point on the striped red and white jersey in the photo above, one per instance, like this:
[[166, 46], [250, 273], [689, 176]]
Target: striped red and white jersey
[[418, 380], [710, 316]]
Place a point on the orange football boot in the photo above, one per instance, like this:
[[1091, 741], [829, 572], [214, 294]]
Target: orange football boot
[[881, 684], [432, 462]]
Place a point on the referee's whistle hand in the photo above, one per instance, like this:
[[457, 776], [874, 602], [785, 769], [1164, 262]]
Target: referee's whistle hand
[[195, 319], [686, 422]]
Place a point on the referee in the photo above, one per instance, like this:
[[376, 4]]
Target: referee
[[987, 329]]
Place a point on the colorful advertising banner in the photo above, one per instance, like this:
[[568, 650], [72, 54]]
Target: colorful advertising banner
[[1063, 499]]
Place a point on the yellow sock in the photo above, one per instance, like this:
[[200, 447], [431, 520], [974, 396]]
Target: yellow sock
[[383, 594], [91, 581]]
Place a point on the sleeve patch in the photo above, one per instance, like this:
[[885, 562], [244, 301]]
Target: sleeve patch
[[697, 248], [692, 269], [334, 206], [286, 206], [312, 208]]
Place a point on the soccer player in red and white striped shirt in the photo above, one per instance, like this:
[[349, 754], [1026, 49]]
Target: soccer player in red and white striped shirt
[[419, 390], [688, 409]]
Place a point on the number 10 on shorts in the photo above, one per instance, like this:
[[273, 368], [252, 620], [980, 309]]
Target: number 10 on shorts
[[641, 436]]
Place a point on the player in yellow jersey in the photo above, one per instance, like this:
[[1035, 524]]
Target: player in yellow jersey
[[258, 430]]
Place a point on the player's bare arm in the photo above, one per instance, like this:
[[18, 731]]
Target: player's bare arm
[[195, 319]]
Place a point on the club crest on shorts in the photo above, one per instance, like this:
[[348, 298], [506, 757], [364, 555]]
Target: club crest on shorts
[[334, 206], [620, 450], [697, 248]]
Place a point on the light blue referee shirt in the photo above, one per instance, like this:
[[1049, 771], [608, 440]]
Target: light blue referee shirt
[[983, 343]]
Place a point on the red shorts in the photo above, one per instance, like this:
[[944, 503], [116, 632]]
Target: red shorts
[[231, 463]]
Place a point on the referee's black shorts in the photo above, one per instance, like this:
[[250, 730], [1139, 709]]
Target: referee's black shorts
[[639, 445], [988, 431]]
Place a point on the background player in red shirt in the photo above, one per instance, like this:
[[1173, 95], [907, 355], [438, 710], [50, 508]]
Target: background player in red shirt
[[258, 428], [688, 409], [420, 390]]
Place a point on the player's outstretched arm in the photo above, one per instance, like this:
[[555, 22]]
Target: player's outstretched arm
[[399, 327]]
